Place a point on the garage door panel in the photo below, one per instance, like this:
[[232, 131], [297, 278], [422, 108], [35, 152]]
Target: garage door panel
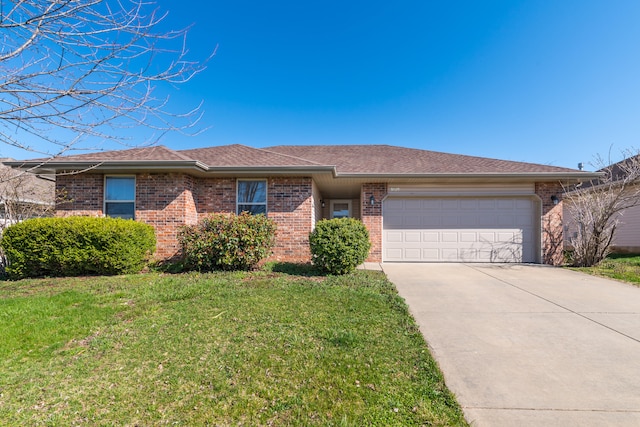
[[504, 204], [394, 205], [412, 221], [431, 221], [524, 204], [430, 237], [484, 255], [450, 255], [393, 254], [525, 219], [487, 220], [432, 204], [394, 236], [413, 204], [450, 204], [487, 204], [488, 237], [470, 254], [468, 236], [449, 237], [468, 204], [413, 236], [430, 254], [459, 229], [413, 254]]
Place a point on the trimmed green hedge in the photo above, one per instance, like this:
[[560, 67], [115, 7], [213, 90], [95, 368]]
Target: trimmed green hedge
[[75, 246], [339, 245], [227, 242]]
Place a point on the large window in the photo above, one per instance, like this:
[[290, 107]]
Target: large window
[[252, 196], [120, 196]]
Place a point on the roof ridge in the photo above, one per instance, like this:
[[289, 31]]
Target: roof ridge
[[266, 149], [273, 153], [176, 152]]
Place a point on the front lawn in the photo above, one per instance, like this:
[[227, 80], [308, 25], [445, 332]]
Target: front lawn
[[617, 266], [260, 348]]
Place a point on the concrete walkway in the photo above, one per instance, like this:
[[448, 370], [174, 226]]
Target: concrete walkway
[[526, 345]]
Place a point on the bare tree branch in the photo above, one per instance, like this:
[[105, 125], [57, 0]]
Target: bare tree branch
[[595, 208], [75, 71]]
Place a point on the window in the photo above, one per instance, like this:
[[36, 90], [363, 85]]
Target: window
[[120, 196], [340, 208], [252, 196]]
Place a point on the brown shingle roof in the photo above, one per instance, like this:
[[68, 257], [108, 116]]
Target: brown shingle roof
[[243, 156], [159, 153], [347, 159], [386, 159]]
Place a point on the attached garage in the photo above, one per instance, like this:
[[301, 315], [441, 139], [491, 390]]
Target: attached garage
[[461, 229]]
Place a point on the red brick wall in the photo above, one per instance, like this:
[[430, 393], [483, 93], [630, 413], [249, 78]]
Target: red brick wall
[[215, 195], [372, 217], [165, 200], [168, 201], [290, 205], [551, 222], [80, 194]]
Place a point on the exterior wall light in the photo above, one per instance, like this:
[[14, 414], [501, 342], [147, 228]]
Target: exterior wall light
[[322, 203], [555, 199], [372, 200]]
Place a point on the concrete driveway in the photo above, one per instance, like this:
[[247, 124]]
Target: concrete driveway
[[527, 345]]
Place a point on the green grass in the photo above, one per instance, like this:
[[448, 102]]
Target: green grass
[[262, 348], [617, 266]]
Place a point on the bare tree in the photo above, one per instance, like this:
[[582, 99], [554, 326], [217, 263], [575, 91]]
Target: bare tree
[[76, 72], [24, 195], [595, 208]]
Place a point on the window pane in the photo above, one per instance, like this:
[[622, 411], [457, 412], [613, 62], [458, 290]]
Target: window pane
[[120, 188], [252, 192], [120, 210], [253, 209], [341, 210]]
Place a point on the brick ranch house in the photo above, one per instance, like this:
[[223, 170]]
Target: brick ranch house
[[418, 205]]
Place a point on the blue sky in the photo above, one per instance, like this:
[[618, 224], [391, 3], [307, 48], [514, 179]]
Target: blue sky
[[551, 82]]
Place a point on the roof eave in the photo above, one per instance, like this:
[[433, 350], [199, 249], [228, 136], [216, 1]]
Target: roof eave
[[579, 176], [54, 166], [270, 170], [164, 165]]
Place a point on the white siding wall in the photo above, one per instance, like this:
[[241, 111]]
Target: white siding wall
[[628, 232]]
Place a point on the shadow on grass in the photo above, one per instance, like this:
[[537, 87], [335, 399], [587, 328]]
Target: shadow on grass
[[635, 258], [294, 269]]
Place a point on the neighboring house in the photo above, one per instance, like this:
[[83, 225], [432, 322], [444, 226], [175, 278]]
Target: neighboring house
[[418, 205], [626, 238], [24, 195]]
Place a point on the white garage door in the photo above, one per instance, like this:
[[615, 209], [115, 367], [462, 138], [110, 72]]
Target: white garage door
[[469, 229]]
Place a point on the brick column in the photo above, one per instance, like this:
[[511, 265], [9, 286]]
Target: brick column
[[551, 222], [165, 201], [372, 216], [290, 205]]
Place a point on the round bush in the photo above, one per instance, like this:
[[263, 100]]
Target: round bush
[[339, 245], [227, 242], [74, 246]]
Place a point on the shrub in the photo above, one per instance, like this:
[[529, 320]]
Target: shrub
[[75, 246], [227, 242], [339, 245]]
